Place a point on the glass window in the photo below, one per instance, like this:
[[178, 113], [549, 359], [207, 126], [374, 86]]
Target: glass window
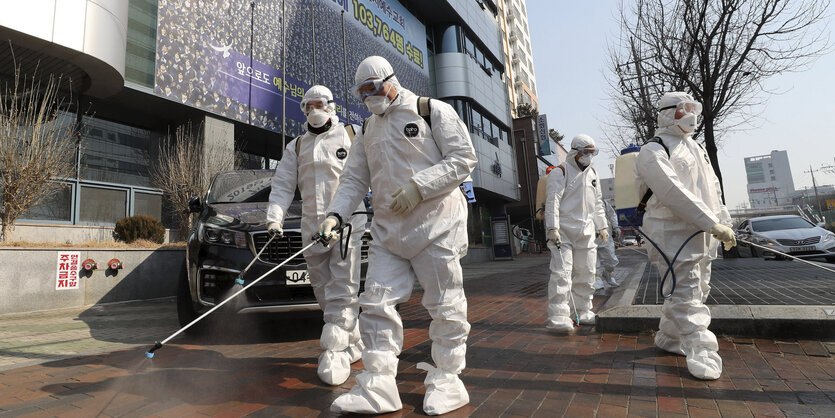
[[116, 153], [475, 117], [479, 57], [450, 42], [148, 204], [102, 206], [488, 128], [56, 207], [140, 56], [469, 47]]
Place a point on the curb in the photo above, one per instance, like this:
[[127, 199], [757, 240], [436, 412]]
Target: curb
[[619, 315]]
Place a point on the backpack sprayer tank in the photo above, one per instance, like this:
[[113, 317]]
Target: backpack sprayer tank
[[627, 196]]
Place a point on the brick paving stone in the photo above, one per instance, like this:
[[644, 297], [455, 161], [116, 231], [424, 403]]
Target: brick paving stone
[[814, 348], [515, 367]]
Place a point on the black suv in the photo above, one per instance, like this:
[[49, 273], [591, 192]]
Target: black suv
[[228, 234]]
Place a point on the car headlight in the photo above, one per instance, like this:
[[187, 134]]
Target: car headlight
[[828, 237], [215, 235]]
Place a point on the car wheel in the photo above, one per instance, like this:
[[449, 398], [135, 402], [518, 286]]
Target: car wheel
[[779, 257], [830, 259], [185, 307], [754, 251]]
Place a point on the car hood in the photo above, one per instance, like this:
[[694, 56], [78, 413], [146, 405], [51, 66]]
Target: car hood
[[248, 216], [794, 234]]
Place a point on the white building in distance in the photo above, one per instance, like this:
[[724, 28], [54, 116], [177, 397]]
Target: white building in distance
[[770, 180]]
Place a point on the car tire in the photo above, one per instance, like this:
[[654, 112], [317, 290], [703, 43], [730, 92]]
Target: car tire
[[185, 306], [754, 251], [830, 259]]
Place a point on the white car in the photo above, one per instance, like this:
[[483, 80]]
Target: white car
[[788, 234]]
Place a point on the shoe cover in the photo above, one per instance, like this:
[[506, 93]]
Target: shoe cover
[[668, 344], [333, 338], [374, 393], [355, 351], [588, 318], [705, 364], [611, 282], [560, 324], [598, 284], [334, 367], [445, 392]]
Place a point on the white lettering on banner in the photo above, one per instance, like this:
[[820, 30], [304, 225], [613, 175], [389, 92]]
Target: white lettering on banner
[[68, 265]]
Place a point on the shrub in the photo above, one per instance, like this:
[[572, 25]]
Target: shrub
[[137, 227]]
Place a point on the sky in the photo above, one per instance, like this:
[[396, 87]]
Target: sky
[[569, 41]]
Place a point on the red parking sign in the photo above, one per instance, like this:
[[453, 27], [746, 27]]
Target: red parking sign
[[67, 275]]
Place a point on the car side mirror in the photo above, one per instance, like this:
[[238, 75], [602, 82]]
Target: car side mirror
[[194, 205], [821, 225]]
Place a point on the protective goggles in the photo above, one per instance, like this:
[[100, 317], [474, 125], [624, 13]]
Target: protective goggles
[[586, 151], [370, 87], [320, 103], [686, 107]]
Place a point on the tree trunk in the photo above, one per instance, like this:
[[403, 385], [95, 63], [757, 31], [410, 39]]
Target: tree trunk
[[710, 146], [6, 233]]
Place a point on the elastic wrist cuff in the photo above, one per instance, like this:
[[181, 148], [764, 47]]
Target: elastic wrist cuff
[[338, 218]]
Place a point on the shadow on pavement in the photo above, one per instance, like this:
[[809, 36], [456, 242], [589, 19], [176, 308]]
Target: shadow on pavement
[[149, 321]]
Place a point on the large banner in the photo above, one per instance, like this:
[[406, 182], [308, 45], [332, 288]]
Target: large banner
[[225, 56]]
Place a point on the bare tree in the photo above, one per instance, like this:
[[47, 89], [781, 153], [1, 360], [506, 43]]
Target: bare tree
[[720, 51], [184, 168], [38, 143]]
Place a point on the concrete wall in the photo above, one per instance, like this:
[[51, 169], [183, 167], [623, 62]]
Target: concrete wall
[[477, 255], [29, 278], [71, 234]]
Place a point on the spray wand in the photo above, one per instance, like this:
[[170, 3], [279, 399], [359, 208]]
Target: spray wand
[[318, 238]]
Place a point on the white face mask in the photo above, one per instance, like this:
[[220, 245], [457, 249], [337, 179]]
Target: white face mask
[[687, 123], [377, 104], [585, 160], [318, 118]]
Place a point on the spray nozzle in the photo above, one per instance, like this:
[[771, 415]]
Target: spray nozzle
[[150, 353]]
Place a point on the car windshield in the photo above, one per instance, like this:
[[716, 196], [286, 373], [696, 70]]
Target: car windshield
[[780, 223], [241, 187]]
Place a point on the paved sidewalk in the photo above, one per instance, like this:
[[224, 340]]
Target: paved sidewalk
[[515, 368], [751, 296]]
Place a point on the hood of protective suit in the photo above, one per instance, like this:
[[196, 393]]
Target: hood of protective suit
[[666, 118], [376, 67], [319, 92], [579, 141]]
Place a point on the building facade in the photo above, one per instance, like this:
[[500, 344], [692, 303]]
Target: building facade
[[237, 70], [516, 45], [770, 181]]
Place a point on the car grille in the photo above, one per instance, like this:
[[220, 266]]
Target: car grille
[[280, 248], [794, 243]]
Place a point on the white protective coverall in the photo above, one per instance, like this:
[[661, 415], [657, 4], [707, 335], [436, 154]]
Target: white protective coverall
[[574, 206], [424, 244], [335, 281], [686, 198], [606, 257]]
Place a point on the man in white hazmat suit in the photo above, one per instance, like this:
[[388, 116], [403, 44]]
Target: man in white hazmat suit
[[314, 162], [606, 256], [573, 217], [686, 198], [419, 232]]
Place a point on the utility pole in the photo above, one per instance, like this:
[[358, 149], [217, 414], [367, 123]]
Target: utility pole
[[815, 186]]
